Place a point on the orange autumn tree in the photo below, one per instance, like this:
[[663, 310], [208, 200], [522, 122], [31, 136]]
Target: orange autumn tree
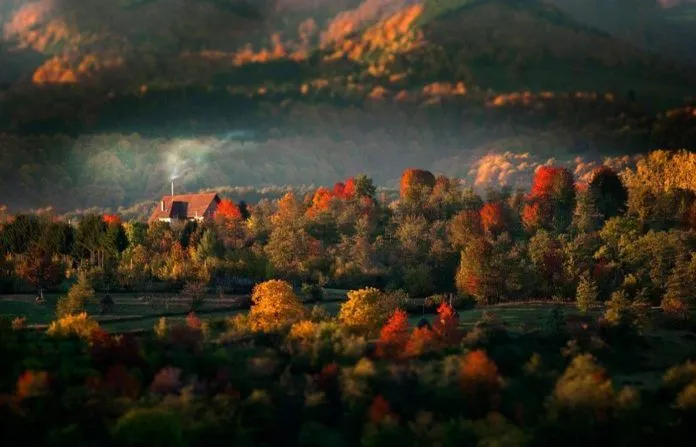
[[274, 306], [414, 178], [421, 341], [345, 190], [480, 380], [394, 335], [493, 217], [321, 201], [227, 209]]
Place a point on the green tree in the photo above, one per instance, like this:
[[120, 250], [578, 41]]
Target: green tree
[[618, 309], [136, 232], [586, 295], [608, 193], [209, 247], [586, 218], [148, 427], [680, 291], [89, 238], [364, 187], [78, 296]]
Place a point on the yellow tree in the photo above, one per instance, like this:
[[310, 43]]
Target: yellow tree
[[274, 306], [367, 309]]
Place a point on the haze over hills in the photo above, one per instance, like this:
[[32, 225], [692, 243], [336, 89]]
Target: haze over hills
[[308, 92]]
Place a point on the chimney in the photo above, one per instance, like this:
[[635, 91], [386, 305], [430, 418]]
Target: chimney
[[172, 188], [162, 205]]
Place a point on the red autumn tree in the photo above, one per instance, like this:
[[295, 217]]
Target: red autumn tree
[[394, 335], [493, 217], [536, 214], [414, 178], [380, 410], [111, 219], [446, 325], [551, 199], [227, 209], [345, 190]]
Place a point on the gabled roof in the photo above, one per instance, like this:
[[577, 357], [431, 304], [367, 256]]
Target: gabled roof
[[186, 206]]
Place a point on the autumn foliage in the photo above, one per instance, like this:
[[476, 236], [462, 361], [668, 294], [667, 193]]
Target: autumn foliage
[[421, 341], [446, 325], [380, 410], [493, 217], [479, 379], [551, 199], [274, 306], [32, 384], [227, 209], [416, 178], [110, 219], [321, 201], [393, 335]]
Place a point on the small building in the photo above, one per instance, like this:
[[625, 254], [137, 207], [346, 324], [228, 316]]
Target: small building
[[186, 207]]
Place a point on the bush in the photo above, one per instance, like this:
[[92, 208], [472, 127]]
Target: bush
[[148, 427], [80, 325], [313, 292]]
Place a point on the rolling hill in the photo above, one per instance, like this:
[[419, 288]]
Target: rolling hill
[[319, 90]]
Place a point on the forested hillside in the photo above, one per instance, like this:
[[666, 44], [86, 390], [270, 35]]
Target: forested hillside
[[301, 93]]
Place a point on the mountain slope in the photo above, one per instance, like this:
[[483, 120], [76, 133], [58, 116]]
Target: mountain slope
[[348, 51], [517, 45]]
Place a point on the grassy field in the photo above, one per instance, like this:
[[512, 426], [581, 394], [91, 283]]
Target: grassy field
[[131, 313]]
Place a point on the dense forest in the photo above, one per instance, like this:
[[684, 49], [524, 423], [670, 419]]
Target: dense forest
[[618, 247], [629, 235]]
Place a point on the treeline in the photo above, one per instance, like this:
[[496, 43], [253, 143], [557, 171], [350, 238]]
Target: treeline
[[625, 238], [315, 144]]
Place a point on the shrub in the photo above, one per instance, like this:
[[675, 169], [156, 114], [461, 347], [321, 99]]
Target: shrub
[[313, 292], [32, 384], [161, 328], [19, 323], [80, 325], [148, 427]]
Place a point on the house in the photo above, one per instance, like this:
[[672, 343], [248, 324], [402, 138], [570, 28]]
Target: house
[[186, 207]]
